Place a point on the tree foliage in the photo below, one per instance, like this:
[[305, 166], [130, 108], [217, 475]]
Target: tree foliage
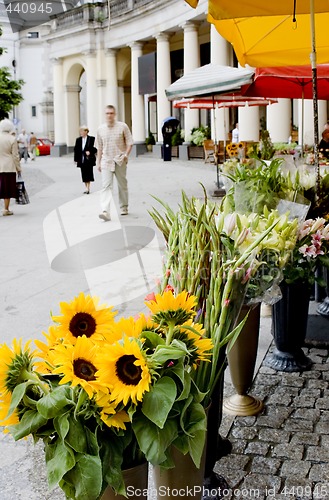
[[10, 95]]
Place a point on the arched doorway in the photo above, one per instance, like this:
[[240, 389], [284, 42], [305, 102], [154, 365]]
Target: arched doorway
[[73, 105]]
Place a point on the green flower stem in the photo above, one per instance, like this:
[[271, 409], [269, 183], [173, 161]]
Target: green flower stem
[[34, 379], [170, 333]]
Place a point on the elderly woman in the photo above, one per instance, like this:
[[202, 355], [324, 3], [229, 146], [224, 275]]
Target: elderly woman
[[85, 156], [9, 163]]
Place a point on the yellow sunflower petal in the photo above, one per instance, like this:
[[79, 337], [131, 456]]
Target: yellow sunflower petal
[[167, 307]]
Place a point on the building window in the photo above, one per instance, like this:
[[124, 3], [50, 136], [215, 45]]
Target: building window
[[33, 34], [34, 111]]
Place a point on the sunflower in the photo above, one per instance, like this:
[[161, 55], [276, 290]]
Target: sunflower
[[168, 309], [192, 334], [123, 367], [46, 350], [15, 365], [131, 327], [82, 316], [77, 363]]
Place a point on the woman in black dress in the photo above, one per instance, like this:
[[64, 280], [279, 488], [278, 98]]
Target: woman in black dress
[[85, 156]]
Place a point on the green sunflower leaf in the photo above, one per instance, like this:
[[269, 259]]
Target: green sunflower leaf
[[158, 402], [76, 437], [152, 440], [30, 422], [60, 459], [61, 424], [153, 339], [196, 446], [51, 405], [17, 396], [112, 456], [88, 478], [163, 354]]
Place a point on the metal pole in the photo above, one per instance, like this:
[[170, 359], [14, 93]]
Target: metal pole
[[315, 100]]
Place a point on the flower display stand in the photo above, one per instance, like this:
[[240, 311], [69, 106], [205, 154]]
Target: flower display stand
[[136, 480], [241, 361], [289, 328]]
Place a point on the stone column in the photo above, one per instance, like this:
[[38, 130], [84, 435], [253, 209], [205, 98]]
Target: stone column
[[278, 120], [92, 92], [59, 116], [191, 61], [111, 79], [121, 101], [219, 54], [102, 101], [137, 102], [72, 110], [163, 79], [249, 123]]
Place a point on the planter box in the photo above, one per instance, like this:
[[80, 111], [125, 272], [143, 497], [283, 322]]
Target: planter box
[[196, 152], [174, 152]]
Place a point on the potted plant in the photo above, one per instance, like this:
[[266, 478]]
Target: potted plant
[[176, 141], [150, 142], [198, 135]]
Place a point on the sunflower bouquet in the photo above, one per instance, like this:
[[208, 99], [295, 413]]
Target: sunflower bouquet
[[104, 395]]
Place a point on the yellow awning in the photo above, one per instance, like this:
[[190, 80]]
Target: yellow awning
[[263, 33]]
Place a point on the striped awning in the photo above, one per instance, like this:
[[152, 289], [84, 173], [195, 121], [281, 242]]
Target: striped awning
[[210, 79]]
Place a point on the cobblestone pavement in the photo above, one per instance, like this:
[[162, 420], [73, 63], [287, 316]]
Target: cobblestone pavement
[[284, 451]]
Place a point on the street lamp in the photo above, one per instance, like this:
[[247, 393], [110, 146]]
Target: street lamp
[[14, 65]]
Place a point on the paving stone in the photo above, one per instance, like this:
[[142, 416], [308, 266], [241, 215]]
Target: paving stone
[[305, 438], [238, 462], [307, 413], [321, 490], [315, 358], [232, 476], [265, 465], [325, 376], [319, 472], [295, 452], [260, 483], [274, 417], [308, 392], [324, 416], [312, 375], [281, 397], [257, 448], [297, 488], [274, 435], [304, 401], [298, 425], [322, 403], [322, 427], [320, 352], [244, 432], [323, 367], [245, 421], [295, 468], [267, 380], [317, 384], [261, 391], [325, 441], [293, 380], [238, 445], [317, 454], [267, 369]]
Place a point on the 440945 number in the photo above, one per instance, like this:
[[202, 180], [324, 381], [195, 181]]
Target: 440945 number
[[29, 7]]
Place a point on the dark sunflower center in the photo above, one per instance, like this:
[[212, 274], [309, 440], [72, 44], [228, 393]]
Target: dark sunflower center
[[126, 371], [82, 324], [84, 369]]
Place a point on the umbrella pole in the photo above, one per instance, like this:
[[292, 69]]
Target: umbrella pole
[[215, 137], [315, 101], [302, 139]]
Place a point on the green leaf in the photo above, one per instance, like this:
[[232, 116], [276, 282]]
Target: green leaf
[[112, 457], [158, 402], [196, 445], [76, 436], [88, 478], [17, 396], [164, 354], [60, 459], [152, 440], [61, 424], [30, 422], [92, 443], [50, 406], [186, 388], [153, 339]]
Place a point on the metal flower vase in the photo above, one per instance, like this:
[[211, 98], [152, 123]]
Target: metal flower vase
[[242, 360], [289, 327], [184, 480], [136, 481]]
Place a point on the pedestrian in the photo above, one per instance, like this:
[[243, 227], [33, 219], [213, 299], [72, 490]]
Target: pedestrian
[[235, 133], [85, 156], [114, 142], [9, 164], [23, 143], [324, 143], [32, 145]]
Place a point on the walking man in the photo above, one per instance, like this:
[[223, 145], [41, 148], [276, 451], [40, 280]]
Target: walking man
[[23, 142], [114, 142]]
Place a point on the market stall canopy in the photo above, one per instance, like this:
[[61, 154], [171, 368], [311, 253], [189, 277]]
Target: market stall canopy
[[210, 79], [217, 102], [292, 82], [264, 33]]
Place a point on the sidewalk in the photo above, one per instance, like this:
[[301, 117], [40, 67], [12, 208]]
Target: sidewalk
[[56, 247]]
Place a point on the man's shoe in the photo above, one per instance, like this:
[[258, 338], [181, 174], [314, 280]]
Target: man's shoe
[[105, 216], [124, 211], [7, 212]]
